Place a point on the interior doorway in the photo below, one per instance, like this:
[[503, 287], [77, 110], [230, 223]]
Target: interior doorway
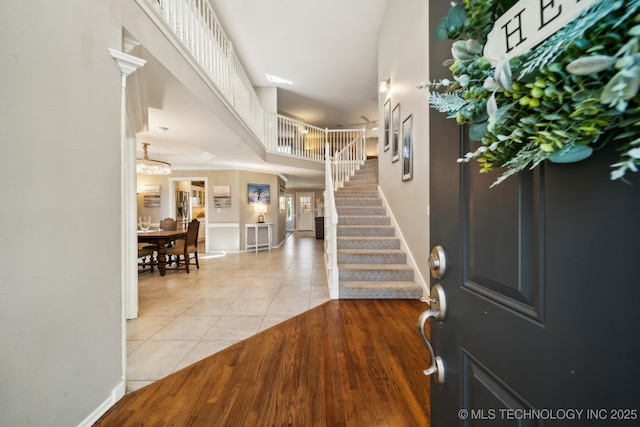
[[188, 201], [304, 208], [290, 223]]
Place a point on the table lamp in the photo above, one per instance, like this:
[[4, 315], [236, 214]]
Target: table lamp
[[260, 209]]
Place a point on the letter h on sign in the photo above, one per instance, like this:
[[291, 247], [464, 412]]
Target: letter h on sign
[[517, 30]]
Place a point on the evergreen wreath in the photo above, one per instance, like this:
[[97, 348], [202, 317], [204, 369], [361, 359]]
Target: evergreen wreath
[[575, 92]]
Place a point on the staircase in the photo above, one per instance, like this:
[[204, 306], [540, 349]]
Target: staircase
[[370, 262]]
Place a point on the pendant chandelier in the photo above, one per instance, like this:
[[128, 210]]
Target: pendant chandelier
[[149, 166]]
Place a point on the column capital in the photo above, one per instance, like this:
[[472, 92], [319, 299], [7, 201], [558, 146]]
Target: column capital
[[127, 63]]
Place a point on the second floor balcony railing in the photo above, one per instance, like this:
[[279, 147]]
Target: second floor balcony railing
[[294, 138], [196, 27]]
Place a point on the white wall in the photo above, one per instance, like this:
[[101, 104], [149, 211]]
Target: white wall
[[371, 146], [403, 58], [60, 221], [268, 98]]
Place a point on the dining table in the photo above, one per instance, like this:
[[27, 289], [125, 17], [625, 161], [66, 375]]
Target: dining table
[[160, 239]]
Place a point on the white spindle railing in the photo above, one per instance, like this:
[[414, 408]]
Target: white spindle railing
[[330, 229], [196, 26], [349, 159], [287, 136]]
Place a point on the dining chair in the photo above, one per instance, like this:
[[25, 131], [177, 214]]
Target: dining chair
[[168, 224], [181, 251], [146, 260]]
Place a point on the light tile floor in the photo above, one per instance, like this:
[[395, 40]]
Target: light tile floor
[[184, 318]]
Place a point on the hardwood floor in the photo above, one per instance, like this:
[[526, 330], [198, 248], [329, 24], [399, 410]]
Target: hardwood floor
[[344, 363]]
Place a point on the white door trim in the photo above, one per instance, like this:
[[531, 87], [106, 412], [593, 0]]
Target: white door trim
[[172, 200], [302, 194]]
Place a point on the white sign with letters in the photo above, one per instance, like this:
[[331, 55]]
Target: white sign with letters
[[529, 22]]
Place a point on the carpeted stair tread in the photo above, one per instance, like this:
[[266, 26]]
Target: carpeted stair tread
[[361, 210], [358, 182], [379, 290], [395, 267], [363, 177], [358, 201], [359, 242], [355, 189], [365, 220], [357, 194], [375, 272], [378, 284], [371, 256], [374, 251], [365, 230]]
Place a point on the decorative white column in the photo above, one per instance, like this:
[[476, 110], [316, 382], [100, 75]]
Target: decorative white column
[[128, 228]]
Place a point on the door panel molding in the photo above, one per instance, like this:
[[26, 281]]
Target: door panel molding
[[485, 393], [508, 217]]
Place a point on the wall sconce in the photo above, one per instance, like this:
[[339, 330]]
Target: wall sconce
[[260, 209], [385, 85]]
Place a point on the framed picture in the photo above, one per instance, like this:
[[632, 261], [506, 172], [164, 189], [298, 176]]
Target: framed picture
[[395, 133], [151, 196], [387, 121], [407, 148], [221, 196], [259, 193]]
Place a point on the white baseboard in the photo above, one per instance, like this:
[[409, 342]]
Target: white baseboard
[[116, 394], [419, 279]]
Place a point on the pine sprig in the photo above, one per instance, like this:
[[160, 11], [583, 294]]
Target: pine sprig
[[447, 102], [556, 45]]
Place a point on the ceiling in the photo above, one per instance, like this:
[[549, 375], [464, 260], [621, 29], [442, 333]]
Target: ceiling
[[328, 51]]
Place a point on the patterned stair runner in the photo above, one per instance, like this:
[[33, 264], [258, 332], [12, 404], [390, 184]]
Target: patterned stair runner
[[370, 261]]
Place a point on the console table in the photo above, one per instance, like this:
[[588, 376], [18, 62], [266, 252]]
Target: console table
[[253, 231]]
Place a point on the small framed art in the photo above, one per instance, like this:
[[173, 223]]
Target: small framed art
[[395, 133], [259, 193], [407, 148], [387, 122]]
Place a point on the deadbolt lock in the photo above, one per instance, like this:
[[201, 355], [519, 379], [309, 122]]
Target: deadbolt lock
[[437, 262]]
